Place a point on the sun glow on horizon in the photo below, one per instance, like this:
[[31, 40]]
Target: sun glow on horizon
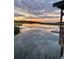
[[37, 19]]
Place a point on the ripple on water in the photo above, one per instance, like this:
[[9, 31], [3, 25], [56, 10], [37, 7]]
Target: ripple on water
[[36, 44]]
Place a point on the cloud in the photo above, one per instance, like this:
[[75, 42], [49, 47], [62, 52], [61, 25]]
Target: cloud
[[17, 15], [34, 8]]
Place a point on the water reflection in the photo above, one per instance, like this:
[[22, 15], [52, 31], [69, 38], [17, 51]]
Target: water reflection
[[37, 42], [48, 28]]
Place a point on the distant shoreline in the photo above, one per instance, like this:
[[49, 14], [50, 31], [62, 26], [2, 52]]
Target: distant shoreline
[[32, 22]]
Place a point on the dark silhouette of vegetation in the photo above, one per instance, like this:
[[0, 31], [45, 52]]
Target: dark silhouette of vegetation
[[31, 22], [60, 5], [16, 30]]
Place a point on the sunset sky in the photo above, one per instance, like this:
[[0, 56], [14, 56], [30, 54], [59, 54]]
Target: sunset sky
[[36, 10]]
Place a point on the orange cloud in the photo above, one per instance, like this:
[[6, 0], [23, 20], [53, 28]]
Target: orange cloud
[[37, 19]]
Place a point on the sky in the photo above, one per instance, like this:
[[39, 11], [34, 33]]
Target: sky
[[32, 9]]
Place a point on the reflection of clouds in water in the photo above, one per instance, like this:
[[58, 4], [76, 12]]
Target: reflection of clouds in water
[[47, 28], [35, 44], [41, 29]]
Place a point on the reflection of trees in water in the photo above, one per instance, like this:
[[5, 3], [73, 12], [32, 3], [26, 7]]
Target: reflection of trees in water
[[36, 44]]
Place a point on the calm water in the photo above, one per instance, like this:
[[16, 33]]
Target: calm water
[[37, 42], [49, 28]]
